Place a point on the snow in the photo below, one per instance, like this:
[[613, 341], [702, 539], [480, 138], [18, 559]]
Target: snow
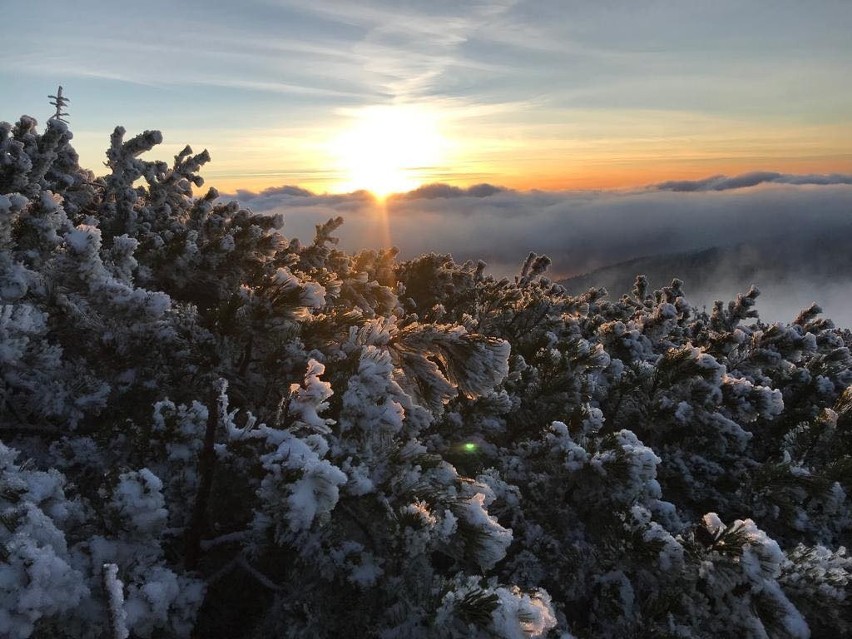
[[713, 524], [162, 600], [83, 238], [517, 614], [138, 499], [312, 295], [310, 399], [576, 457], [491, 548], [115, 599], [19, 323], [343, 449], [361, 565], [372, 398], [684, 412], [314, 492], [12, 202], [36, 576], [521, 615], [420, 509]]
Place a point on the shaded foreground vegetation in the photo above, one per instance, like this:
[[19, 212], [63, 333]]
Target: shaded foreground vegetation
[[210, 430]]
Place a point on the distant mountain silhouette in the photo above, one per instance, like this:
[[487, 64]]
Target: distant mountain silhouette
[[811, 263]]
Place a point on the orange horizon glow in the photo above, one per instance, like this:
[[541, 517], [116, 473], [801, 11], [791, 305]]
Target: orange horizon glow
[[397, 148], [548, 178]]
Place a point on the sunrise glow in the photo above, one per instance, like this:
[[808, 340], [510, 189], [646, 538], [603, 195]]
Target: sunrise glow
[[388, 149]]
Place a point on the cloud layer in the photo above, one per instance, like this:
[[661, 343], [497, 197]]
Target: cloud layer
[[725, 183], [582, 230]]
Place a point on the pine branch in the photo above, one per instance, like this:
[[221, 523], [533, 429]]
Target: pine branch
[[206, 463], [476, 607], [59, 102], [264, 581], [115, 602], [228, 538]]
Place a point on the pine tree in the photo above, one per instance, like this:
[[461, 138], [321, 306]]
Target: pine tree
[[210, 429]]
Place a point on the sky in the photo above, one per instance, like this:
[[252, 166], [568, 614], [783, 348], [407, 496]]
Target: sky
[[594, 132], [335, 96]]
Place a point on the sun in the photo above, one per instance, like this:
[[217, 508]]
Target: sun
[[389, 149]]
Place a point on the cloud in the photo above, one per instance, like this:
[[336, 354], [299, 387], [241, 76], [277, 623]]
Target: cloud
[[273, 196], [725, 183], [433, 191], [582, 230], [290, 198]]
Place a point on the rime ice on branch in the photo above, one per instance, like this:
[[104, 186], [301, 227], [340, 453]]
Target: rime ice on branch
[[398, 449]]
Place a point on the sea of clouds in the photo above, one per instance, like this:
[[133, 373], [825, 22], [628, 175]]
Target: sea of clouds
[[585, 230]]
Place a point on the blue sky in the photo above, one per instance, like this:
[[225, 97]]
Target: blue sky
[[538, 94]]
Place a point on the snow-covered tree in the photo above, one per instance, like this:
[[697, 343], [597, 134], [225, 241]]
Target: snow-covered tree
[[209, 429]]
